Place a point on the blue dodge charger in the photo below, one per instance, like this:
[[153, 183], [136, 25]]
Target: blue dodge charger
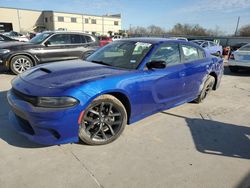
[[119, 84]]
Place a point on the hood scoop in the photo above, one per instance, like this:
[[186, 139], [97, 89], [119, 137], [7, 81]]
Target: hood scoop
[[45, 70]]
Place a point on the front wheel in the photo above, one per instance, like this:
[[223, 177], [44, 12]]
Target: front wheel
[[207, 88], [20, 63], [103, 121]]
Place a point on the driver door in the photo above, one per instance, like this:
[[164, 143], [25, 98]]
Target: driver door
[[163, 88]]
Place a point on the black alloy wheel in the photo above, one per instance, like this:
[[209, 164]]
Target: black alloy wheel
[[103, 121]]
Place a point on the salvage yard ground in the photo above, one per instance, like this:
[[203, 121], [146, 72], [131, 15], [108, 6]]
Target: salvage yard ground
[[205, 145]]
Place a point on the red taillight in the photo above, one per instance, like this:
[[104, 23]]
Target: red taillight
[[231, 56]]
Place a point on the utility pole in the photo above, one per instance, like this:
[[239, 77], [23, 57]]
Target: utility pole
[[237, 26]]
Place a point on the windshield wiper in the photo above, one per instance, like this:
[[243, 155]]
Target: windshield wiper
[[100, 62]]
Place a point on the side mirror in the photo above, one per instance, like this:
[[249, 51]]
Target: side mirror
[[156, 65], [47, 43]]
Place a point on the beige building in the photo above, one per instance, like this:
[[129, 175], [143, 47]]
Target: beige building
[[23, 20]]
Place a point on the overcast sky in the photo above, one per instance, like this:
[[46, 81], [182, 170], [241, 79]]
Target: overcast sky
[[164, 13]]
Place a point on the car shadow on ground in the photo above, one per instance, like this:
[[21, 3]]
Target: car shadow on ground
[[7, 132], [218, 138], [242, 72], [4, 71]]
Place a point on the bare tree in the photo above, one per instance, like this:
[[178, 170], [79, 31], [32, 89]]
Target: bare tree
[[245, 31], [155, 30], [188, 29]]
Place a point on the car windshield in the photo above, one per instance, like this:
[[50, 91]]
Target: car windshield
[[122, 54], [39, 38], [245, 48]]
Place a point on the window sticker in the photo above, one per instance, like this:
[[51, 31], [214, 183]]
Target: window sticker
[[143, 44]]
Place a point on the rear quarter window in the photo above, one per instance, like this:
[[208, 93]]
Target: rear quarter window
[[89, 39]]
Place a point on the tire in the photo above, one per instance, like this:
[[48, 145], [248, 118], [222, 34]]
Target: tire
[[99, 127], [20, 63], [207, 88], [233, 69]]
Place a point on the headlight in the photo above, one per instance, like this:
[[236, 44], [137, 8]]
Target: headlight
[[56, 102], [4, 51]]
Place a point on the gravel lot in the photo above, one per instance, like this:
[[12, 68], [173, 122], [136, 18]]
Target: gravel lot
[[206, 145]]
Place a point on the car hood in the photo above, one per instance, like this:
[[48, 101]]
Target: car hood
[[15, 44], [68, 73]]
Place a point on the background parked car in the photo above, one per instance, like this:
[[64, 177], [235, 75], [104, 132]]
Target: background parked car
[[210, 47], [179, 38], [46, 47], [4, 38], [104, 40], [17, 36], [240, 59]]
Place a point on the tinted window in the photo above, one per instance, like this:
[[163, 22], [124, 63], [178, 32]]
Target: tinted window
[[116, 23], [86, 20], [59, 39], [89, 39], [93, 21], [39, 38], [190, 53], [76, 39], [169, 53]]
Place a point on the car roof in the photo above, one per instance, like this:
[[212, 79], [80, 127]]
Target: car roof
[[66, 32], [150, 40]]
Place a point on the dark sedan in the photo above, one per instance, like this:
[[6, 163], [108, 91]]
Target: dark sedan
[[46, 47]]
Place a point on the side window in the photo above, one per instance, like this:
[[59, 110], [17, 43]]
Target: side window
[[169, 53], [1, 39], [88, 39], [204, 45], [202, 54], [59, 39], [190, 53], [76, 39]]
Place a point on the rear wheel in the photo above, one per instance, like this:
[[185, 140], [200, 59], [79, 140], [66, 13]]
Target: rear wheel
[[207, 88], [20, 63], [104, 121], [233, 69]]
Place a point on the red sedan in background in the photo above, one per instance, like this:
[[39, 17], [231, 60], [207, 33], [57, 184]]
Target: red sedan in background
[[104, 40]]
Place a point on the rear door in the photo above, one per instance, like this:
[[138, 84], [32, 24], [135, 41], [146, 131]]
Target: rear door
[[196, 66]]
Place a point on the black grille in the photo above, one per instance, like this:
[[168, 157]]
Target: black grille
[[27, 98]]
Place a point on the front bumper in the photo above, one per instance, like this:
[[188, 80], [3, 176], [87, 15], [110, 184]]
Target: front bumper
[[239, 63], [44, 126]]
